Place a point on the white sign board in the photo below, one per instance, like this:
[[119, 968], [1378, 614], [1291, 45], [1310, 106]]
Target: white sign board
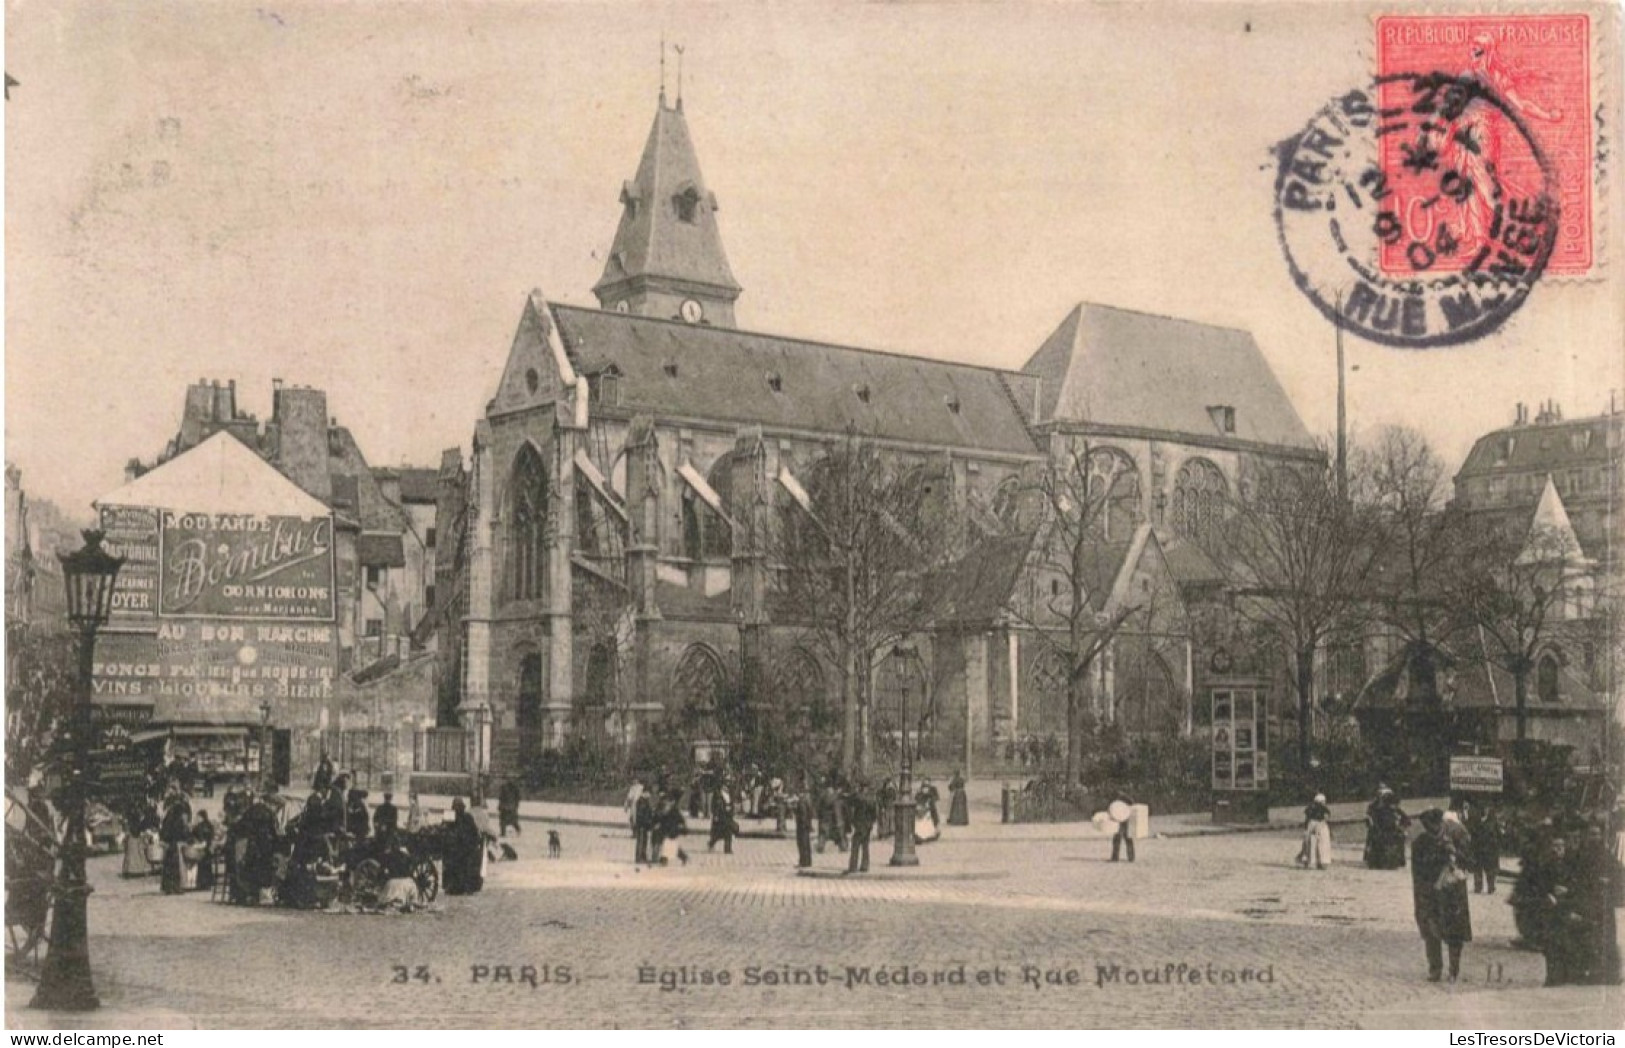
[[1475, 774]]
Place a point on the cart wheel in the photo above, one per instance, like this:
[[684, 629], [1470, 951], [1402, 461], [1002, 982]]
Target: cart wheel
[[367, 883], [428, 879]]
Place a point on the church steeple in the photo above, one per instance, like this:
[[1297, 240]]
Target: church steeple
[[667, 260]]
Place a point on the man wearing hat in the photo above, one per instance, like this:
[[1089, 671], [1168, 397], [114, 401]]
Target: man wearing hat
[[860, 818], [386, 820], [1439, 893]]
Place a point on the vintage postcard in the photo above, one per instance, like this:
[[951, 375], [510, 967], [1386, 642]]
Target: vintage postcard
[[662, 515]]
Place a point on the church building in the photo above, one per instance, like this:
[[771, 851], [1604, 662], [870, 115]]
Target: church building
[[613, 570]]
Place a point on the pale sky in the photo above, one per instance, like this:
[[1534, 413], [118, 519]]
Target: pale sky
[[358, 197]]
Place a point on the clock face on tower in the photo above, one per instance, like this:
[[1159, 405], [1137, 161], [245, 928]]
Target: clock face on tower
[[692, 311]]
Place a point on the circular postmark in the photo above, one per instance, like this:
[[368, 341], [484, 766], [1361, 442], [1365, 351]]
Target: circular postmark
[[1417, 212]]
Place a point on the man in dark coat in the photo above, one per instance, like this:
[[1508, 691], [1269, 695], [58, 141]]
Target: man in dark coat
[[1439, 894], [860, 818], [322, 777], [464, 849], [643, 819], [804, 825], [1485, 829], [332, 807], [1581, 944], [508, 808], [830, 830], [357, 823], [386, 821], [723, 826]]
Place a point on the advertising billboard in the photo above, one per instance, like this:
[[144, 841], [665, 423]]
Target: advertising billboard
[[1240, 749], [132, 533], [246, 566], [184, 662]]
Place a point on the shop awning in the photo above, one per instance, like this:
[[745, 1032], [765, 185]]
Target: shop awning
[[188, 731]]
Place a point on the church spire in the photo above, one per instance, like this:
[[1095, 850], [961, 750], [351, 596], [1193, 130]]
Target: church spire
[[667, 260]]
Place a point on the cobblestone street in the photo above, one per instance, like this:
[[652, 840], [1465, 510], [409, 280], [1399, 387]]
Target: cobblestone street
[[587, 939]]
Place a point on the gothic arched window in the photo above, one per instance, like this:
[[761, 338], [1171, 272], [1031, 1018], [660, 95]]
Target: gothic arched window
[[798, 686], [1114, 494], [1043, 704], [527, 526], [1199, 493], [700, 684], [1146, 700], [1546, 678]]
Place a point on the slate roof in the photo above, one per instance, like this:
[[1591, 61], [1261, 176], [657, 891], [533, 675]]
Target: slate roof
[[978, 588], [380, 551], [1473, 683], [651, 240], [1111, 366], [723, 374], [1548, 446], [1190, 565], [419, 484]]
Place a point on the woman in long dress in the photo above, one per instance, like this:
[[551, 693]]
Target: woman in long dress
[[175, 833], [465, 852], [959, 805], [1317, 834], [142, 822], [203, 838], [927, 823]]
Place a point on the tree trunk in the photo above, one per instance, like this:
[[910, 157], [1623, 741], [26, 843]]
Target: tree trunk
[[865, 705], [849, 671], [1306, 703], [849, 708], [1074, 728], [1520, 691]]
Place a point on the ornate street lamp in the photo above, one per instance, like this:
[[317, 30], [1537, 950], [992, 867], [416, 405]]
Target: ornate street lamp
[[267, 777], [902, 853], [482, 757], [65, 983]]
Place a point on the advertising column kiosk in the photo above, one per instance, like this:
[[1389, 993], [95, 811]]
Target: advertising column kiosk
[[1241, 769]]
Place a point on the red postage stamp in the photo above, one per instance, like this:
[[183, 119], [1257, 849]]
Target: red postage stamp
[[1536, 71]]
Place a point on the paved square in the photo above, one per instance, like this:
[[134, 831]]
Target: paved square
[[1216, 931]]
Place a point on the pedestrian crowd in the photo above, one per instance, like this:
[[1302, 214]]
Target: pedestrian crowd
[[847, 812], [1571, 878], [261, 852]]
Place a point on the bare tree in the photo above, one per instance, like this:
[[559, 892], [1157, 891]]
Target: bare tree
[[1409, 485], [1298, 556], [1511, 590], [1082, 509], [855, 544]]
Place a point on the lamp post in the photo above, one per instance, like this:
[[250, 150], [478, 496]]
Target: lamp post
[[482, 718], [267, 776], [65, 983], [902, 853]]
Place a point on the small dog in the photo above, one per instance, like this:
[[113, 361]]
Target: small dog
[[553, 847]]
